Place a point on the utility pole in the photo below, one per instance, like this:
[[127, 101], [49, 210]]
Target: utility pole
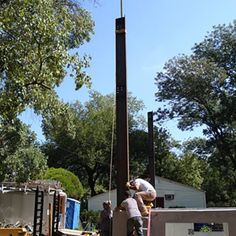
[[122, 139], [151, 152]]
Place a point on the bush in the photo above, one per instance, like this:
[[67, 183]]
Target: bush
[[70, 182], [90, 219]]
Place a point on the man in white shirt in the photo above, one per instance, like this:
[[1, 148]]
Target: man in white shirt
[[144, 191]]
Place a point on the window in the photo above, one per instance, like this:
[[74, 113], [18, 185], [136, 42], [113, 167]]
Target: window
[[213, 227], [169, 197]]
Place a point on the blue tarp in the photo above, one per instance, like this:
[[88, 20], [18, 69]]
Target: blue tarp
[[72, 213]]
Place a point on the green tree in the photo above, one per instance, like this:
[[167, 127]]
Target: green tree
[[80, 139], [165, 159], [138, 152], [190, 170], [200, 90], [218, 187], [172, 161], [70, 182], [21, 158], [37, 38]]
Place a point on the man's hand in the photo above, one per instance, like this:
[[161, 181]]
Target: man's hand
[[128, 185], [118, 208]]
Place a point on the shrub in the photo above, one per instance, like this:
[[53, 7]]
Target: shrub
[[70, 182]]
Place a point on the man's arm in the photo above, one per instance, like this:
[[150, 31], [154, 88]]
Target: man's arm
[[132, 185], [120, 207], [136, 185]]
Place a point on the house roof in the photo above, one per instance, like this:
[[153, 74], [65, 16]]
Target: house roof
[[178, 183]]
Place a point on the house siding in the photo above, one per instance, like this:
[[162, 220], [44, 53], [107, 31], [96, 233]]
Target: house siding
[[184, 196]]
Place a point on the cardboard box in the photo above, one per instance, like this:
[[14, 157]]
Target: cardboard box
[[14, 232]]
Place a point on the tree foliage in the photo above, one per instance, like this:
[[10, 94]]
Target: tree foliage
[[190, 170], [36, 36], [80, 140], [165, 159], [70, 182], [21, 158], [200, 90], [138, 152]]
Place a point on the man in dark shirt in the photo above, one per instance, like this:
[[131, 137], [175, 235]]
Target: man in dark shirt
[[106, 219]]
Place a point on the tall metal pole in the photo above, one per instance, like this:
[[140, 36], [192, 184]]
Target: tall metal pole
[[151, 151], [121, 8], [122, 152]]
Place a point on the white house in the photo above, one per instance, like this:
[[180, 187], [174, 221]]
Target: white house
[[170, 194]]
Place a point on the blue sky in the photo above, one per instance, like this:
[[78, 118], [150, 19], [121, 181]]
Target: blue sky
[[157, 30]]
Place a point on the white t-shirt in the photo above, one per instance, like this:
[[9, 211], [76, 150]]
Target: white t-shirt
[[131, 207], [144, 185]]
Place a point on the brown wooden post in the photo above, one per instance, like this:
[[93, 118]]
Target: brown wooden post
[[122, 151], [151, 152]]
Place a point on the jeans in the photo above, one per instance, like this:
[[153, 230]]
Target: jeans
[[135, 223]]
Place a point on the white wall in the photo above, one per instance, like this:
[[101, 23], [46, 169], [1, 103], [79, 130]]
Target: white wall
[[19, 206], [182, 229], [95, 203], [183, 195]]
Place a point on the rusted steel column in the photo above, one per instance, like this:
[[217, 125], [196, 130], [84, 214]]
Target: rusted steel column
[[151, 153], [122, 138]]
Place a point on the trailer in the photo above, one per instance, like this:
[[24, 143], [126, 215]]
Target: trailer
[[39, 206]]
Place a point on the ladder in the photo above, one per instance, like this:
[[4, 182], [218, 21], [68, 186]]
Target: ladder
[[147, 224], [55, 217], [38, 212]]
